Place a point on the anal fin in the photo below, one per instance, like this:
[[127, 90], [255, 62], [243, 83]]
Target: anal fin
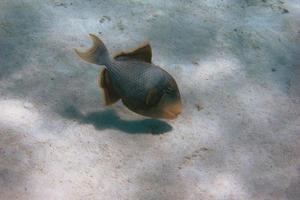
[[110, 95]]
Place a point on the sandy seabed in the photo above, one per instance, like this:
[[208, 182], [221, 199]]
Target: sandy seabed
[[237, 64]]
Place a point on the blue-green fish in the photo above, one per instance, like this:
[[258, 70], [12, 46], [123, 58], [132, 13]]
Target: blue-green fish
[[143, 87]]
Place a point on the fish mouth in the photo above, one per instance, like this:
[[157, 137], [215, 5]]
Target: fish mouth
[[170, 115], [172, 111]]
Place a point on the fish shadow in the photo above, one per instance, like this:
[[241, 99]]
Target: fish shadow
[[109, 119]]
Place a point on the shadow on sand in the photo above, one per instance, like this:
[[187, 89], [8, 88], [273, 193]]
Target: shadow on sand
[[108, 119]]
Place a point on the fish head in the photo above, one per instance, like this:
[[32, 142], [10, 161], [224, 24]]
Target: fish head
[[169, 105]]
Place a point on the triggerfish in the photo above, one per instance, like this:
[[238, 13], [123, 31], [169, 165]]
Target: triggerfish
[[143, 87]]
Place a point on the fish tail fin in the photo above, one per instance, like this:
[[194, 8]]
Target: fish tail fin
[[97, 54]]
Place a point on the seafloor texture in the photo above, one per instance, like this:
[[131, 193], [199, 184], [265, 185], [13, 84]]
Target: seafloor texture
[[237, 64]]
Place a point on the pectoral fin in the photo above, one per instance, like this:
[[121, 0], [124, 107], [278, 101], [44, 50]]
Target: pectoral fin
[[152, 97], [142, 53], [110, 95]]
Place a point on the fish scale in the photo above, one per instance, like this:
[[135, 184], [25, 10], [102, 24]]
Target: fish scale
[[138, 81]]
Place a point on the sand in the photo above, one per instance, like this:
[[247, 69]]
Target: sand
[[237, 64]]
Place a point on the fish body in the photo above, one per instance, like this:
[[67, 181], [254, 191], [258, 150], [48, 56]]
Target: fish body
[[143, 87]]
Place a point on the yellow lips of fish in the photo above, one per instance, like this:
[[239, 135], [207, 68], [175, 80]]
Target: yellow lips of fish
[[172, 111], [143, 87]]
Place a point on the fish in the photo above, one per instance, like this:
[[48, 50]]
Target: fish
[[131, 77]]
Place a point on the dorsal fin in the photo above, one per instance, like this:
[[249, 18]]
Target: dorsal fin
[[142, 53]]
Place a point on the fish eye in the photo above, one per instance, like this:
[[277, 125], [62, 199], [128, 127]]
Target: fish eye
[[170, 90]]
